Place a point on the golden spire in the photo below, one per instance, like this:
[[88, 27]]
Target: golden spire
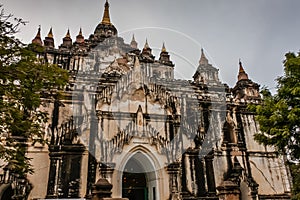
[[49, 40], [203, 60], [68, 34], [242, 74], [164, 55], [106, 18], [50, 34], [163, 49]]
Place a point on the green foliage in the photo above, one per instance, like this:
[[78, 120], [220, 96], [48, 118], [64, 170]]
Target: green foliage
[[295, 171], [24, 81], [279, 115]]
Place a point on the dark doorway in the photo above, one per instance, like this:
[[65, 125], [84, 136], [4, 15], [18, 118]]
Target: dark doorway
[[134, 186], [134, 183]]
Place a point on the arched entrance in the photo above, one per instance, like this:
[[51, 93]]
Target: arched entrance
[[139, 181]]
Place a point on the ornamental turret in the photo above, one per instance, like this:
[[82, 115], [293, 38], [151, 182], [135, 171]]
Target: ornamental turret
[[146, 54], [67, 40], [79, 37], [146, 48], [133, 43], [165, 57], [49, 41], [203, 60], [242, 74], [206, 73], [105, 28], [37, 39], [245, 89]]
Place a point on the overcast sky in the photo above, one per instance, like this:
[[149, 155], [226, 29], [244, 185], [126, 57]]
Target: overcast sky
[[259, 32]]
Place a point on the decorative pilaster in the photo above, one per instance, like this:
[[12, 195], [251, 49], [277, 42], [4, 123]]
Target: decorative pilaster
[[200, 178], [183, 175], [91, 178], [173, 171], [211, 185], [53, 177]]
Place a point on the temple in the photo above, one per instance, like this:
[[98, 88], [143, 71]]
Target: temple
[[126, 119]]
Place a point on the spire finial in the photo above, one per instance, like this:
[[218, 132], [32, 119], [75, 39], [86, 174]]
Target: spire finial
[[133, 43], [50, 34], [242, 74], [68, 34], [203, 60], [106, 18], [241, 69], [39, 32], [146, 46], [163, 49], [241, 66], [80, 32]]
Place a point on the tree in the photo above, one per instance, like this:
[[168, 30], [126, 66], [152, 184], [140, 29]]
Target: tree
[[24, 81], [279, 116]]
